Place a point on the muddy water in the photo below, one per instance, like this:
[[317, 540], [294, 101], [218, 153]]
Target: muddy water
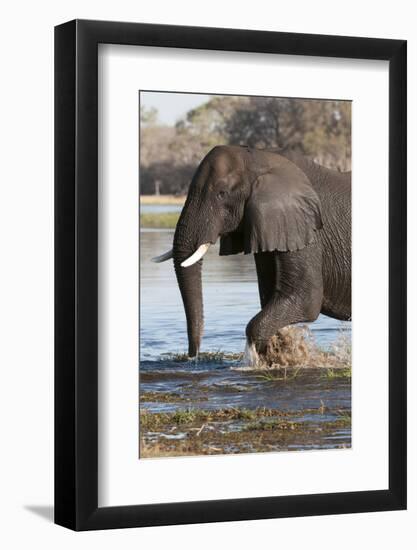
[[315, 406]]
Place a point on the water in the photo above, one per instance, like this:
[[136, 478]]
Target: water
[[160, 208], [230, 300]]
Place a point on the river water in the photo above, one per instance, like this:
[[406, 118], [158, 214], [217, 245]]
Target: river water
[[230, 301]]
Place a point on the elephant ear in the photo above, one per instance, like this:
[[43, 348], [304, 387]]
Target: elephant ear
[[283, 212]]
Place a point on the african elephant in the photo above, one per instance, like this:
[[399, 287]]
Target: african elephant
[[291, 213]]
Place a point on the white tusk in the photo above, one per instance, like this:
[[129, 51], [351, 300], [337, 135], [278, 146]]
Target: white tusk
[[198, 254], [163, 257]]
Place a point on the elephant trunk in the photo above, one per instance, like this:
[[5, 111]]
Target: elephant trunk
[[189, 282]]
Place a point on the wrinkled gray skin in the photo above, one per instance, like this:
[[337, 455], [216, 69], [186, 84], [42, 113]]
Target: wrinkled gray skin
[[292, 214]]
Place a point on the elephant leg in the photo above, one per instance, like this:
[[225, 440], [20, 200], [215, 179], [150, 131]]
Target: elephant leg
[[266, 269], [295, 296]]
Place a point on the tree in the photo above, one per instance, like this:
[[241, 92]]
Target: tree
[[317, 128], [170, 155], [148, 116]]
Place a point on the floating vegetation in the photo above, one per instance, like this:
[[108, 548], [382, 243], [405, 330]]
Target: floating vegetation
[[273, 425], [206, 357], [341, 422], [345, 415], [337, 373], [189, 416], [163, 397], [151, 421]]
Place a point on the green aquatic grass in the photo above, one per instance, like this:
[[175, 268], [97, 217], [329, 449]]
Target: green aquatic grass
[[274, 424], [274, 376], [332, 373], [285, 425], [205, 432], [161, 220], [190, 416], [344, 416]]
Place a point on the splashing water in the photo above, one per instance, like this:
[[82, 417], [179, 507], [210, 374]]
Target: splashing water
[[250, 356]]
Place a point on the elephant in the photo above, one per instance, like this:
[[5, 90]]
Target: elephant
[[291, 213]]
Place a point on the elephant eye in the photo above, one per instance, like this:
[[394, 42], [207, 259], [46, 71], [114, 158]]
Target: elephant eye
[[221, 194]]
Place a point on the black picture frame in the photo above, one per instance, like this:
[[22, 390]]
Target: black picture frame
[[76, 272]]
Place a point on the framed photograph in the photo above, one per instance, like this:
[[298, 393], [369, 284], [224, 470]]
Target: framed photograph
[[270, 381]]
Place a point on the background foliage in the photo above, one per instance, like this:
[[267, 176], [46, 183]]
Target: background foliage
[[169, 155]]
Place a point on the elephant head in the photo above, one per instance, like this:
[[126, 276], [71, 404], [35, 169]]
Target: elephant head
[[255, 201]]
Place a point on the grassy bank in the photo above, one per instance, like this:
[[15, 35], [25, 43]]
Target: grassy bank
[[160, 220], [162, 199], [165, 220]]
